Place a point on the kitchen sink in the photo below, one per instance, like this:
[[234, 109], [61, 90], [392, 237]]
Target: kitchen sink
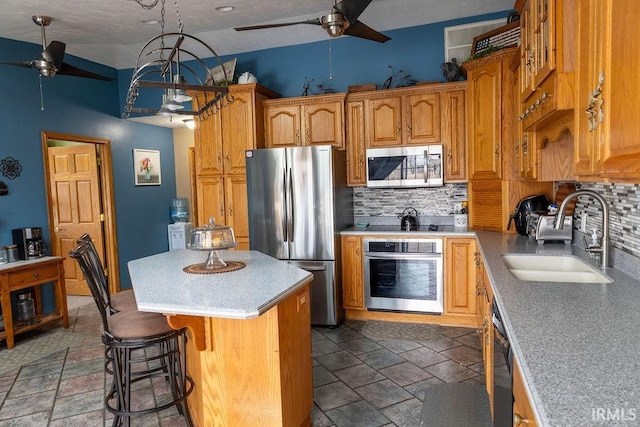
[[552, 268]]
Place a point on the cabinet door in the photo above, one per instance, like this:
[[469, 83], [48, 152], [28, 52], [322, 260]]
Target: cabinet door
[[352, 277], [460, 277], [323, 124], [384, 125], [282, 125], [523, 414], [527, 62], [422, 118], [356, 166], [544, 32], [208, 151], [484, 96], [238, 131], [211, 199], [237, 209], [454, 136]]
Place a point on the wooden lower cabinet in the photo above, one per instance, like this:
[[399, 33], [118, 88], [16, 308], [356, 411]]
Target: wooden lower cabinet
[[523, 414], [352, 274], [460, 277], [459, 284], [251, 372]]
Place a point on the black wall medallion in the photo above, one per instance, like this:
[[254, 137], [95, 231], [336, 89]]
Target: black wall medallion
[[10, 167], [4, 190]]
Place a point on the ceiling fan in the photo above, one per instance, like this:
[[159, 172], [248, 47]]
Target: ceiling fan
[[343, 19], [51, 59]]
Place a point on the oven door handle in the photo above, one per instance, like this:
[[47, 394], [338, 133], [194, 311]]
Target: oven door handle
[[399, 255]]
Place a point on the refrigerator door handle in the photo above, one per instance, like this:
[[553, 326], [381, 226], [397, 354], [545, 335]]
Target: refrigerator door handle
[[285, 203], [290, 215]]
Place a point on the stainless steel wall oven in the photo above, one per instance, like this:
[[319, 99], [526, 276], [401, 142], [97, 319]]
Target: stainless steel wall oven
[[403, 274]]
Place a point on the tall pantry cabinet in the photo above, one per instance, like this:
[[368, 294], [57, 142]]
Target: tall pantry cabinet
[[220, 144]]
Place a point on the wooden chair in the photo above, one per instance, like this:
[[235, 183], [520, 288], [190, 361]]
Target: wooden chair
[[139, 345]]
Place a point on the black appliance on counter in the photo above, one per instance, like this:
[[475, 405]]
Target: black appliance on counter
[[536, 204], [29, 241]]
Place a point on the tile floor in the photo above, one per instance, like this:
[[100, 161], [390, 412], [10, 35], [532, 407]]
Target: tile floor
[[358, 381]]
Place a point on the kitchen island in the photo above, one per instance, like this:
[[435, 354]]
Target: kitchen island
[[249, 346]]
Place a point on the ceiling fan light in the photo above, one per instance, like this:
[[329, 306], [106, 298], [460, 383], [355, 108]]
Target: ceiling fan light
[[335, 24], [190, 123], [180, 95], [169, 103]]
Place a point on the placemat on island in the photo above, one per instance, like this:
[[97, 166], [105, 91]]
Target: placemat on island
[[200, 268]]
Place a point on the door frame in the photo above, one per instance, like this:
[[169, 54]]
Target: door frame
[[105, 176]]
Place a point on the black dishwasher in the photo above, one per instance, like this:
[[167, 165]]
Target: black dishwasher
[[502, 371]]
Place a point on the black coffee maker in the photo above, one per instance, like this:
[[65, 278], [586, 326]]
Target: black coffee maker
[[29, 241]]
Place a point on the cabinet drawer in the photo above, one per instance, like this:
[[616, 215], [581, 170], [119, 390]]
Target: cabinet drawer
[[32, 276]]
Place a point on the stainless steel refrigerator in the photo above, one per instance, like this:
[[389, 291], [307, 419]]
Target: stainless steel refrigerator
[[298, 203]]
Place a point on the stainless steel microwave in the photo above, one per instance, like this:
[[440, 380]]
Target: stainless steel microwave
[[405, 166]]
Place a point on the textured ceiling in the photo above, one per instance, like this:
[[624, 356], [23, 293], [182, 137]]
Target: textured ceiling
[[111, 32]]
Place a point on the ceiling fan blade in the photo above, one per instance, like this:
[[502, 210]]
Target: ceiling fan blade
[[352, 9], [358, 29], [54, 54], [70, 70], [25, 64], [286, 24]]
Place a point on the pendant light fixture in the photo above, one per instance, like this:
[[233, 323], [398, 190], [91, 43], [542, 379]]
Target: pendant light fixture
[[161, 68]]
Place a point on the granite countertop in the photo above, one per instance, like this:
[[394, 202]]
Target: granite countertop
[[161, 286], [577, 343], [422, 230]]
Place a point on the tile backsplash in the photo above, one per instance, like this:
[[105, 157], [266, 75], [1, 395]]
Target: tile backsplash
[[624, 210], [390, 202], [624, 205]]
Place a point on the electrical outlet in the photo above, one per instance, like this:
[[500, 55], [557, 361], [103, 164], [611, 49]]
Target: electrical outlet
[[583, 223]]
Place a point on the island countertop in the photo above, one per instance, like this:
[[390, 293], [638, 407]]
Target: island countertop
[[160, 284]]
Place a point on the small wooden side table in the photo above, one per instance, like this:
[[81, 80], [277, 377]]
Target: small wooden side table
[[19, 275]]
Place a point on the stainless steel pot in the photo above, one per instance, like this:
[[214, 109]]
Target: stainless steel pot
[[408, 219]]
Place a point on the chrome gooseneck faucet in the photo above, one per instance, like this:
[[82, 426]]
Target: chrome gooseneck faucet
[[604, 248]]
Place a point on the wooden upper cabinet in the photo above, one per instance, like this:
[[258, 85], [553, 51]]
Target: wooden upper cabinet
[[607, 143], [309, 120], [356, 152], [222, 138], [489, 103], [547, 61], [422, 121], [454, 135], [208, 150], [384, 122], [282, 125], [416, 115]]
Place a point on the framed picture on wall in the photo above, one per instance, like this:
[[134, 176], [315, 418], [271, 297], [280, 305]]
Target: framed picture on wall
[[146, 167]]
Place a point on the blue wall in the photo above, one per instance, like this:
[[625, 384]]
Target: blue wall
[[79, 106], [89, 107], [418, 51]]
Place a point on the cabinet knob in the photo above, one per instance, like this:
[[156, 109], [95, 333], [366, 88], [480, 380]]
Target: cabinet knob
[[519, 420], [36, 274]]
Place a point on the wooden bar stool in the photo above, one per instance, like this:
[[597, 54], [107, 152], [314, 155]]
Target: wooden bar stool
[[139, 345]]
